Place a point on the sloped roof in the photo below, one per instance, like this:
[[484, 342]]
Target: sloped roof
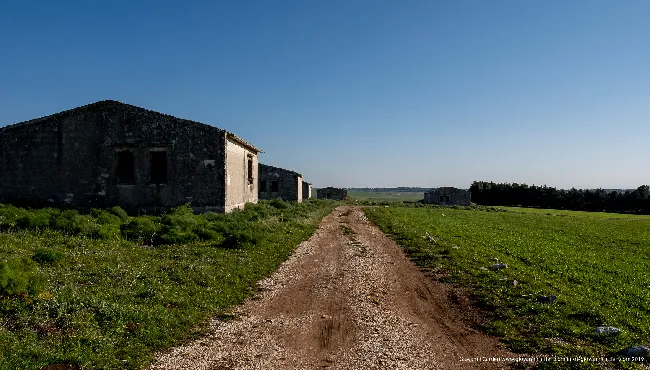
[[278, 168], [112, 104]]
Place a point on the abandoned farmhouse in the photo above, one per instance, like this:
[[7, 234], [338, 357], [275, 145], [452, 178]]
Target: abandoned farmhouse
[[306, 190], [331, 193], [275, 182], [110, 153], [448, 196]]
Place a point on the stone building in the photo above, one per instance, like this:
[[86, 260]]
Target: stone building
[[331, 193], [448, 196], [114, 154], [275, 182], [306, 190]]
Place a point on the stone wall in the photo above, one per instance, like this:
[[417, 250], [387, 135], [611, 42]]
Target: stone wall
[[331, 193], [448, 196], [73, 159], [275, 182], [306, 190], [241, 186]]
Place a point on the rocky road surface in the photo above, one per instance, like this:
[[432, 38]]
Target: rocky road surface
[[348, 298]]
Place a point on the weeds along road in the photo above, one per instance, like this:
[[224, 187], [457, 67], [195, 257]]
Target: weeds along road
[[348, 298]]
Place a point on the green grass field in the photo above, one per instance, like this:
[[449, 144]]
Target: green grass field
[[558, 212], [382, 196], [596, 264], [103, 292]]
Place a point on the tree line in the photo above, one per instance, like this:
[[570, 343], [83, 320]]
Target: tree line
[[595, 200]]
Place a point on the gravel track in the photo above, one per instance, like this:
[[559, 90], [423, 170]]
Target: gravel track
[[348, 298]]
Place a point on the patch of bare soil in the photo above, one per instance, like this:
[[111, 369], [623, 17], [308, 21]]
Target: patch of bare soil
[[348, 298]]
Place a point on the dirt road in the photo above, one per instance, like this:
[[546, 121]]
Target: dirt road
[[347, 299]]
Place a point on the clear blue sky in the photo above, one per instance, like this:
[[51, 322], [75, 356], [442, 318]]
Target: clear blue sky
[[358, 93]]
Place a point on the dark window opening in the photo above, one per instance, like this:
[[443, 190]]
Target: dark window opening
[[158, 161], [442, 198], [447, 198], [262, 186], [250, 171], [274, 186], [125, 170]]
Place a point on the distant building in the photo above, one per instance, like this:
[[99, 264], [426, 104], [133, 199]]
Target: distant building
[[448, 196], [114, 154], [275, 182], [306, 190], [331, 193]]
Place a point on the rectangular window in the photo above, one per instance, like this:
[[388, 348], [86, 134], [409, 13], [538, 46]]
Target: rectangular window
[[250, 171], [263, 186], [125, 169], [274, 186], [158, 170], [447, 198], [442, 198]]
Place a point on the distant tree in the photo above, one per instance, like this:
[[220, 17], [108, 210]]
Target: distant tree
[[506, 194]]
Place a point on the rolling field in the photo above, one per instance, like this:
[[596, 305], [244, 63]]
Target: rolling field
[[596, 265], [383, 196]]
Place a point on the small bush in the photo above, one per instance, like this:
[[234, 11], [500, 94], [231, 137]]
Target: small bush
[[206, 233], [45, 255], [261, 210], [178, 236], [180, 226], [65, 221], [71, 222], [141, 229], [105, 217], [241, 238], [119, 212], [19, 276], [9, 215], [212, 216], [37, 219], [108, 224], [279, 204]]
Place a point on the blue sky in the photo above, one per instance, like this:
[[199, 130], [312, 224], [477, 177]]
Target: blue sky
[[359, 93]]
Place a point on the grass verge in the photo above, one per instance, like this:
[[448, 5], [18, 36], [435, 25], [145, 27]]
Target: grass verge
[[109, 299]]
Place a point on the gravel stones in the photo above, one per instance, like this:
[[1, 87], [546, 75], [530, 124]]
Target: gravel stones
[[607, 330], [342, 301]]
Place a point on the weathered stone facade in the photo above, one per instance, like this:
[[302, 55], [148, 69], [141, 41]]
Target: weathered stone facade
[[331, 193], [275, 182], [110, 153], [448, 196], [306, 190]]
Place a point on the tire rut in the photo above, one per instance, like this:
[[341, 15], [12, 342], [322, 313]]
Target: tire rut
[[348, 298]]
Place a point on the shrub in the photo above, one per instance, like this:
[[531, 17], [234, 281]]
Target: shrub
[[9, 215], [241, 238], [45, 255], [19, 276], [261, 210], [141, 229], [181, 221], [107, 223], [108, 231], [105, 217], [180, 226], [72, 222], [65, 221], [206, 233], [279, 204], [36, 219], [119, 212], [212, 216], [178, 236]]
